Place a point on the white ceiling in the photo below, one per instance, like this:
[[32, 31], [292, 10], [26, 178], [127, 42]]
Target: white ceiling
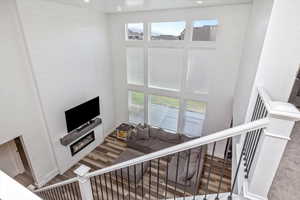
[[111, 6]]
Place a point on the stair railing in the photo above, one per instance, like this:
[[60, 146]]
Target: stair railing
[[124, 175], [259, 152], [65, 190], [178, 171]]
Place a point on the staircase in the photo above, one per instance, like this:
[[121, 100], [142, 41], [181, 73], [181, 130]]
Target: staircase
[[257, 150]]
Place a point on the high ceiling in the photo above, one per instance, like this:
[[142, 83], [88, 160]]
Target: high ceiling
[[111, 6]]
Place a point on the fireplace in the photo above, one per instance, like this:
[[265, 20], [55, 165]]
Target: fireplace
[[82, 143]]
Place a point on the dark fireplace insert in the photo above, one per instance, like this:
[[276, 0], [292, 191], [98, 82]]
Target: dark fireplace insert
[[82, 143]]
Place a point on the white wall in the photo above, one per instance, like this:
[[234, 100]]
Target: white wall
[[233, 21], [280, 58], [70, 57], [254, 41], [20, 111], [11, 189]]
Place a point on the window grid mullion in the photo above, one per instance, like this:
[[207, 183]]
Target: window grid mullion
[[146, 73], [187, 37]]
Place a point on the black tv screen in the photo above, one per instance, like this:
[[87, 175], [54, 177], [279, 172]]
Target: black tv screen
[[81, 114]]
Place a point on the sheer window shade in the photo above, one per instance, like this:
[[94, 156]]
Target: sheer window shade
[[135, 65], [165, 68]]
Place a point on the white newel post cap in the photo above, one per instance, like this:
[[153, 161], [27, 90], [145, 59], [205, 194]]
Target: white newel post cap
[[284, 110], [81, 171]]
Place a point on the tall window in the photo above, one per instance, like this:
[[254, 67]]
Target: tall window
[[167, 80], [163, 112], [136, 107]]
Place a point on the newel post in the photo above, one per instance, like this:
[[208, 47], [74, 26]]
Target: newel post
[[270, 150], [84, 183]]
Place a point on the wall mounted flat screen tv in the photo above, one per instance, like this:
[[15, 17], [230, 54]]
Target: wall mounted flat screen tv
[[81, 114]]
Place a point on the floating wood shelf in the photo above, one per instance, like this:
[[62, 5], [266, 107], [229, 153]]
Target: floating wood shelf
[[77, 133]]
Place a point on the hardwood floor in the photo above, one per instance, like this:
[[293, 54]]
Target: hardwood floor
[[24, 179], [110, 150]]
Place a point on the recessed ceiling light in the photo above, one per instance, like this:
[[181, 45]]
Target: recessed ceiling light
[[87, 1], [199, 2]]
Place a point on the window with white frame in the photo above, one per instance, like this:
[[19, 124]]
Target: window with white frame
[[166, 88]]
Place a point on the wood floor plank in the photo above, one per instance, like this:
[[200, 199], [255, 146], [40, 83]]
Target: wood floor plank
[[115, 146], [109, 149]]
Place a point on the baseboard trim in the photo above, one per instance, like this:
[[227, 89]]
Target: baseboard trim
[[47, 178], [109, 131], [249, 195]]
